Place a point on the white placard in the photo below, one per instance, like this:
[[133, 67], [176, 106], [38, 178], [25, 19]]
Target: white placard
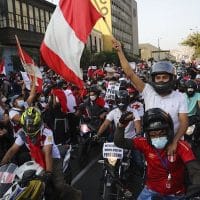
[[26, 79], [133, 65], [110, 150], [111, 91], [6, 177]]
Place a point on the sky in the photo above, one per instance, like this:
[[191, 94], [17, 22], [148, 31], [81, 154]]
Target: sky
[[167, 22]]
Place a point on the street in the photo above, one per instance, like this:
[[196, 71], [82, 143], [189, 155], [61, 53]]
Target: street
[[89, 178]]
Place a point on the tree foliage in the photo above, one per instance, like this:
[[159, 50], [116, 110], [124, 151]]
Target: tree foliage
[[193, 40], [99, 59]]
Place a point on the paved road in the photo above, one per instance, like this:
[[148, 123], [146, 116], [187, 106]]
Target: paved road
[[89, 178]]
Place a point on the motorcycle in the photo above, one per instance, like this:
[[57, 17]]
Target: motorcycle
[[115, 169], [86, 142], [65, 152], [22, 182], [192, 135]]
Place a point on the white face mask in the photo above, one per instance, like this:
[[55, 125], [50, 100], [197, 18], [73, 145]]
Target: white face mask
[[160, 142], [4, 99], [93, 98], [20, 103], [42, 99]]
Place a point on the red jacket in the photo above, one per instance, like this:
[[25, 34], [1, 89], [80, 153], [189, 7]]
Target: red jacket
[[157, 174]]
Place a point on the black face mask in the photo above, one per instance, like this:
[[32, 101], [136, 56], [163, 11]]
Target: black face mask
[[163, 88], [122, 106], [190, 92]]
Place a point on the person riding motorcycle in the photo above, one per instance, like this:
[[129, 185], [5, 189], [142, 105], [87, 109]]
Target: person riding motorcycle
[[193, 97], [40, 142], [164, 173], [93, 108], [122, 102], [159, 93], [193, 102]]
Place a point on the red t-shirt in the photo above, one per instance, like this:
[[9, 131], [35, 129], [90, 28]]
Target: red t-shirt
[[157, 172]]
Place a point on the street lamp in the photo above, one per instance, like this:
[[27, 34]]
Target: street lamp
[[159, 48]]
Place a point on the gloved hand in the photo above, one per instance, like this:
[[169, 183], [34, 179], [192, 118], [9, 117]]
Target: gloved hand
[[96, 137], [126, 117]]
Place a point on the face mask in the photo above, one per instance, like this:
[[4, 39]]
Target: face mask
[[20, 103], [4, 99], [42, 99], [100, 83], [93, 98], [160, 142], [122, 106]]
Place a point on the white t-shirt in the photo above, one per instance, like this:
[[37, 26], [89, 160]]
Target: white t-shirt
[[115, 115], [48, 140], [139, 107], [174, 103]]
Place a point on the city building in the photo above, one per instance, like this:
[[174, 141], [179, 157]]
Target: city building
[[28, 19], [121, 21], [148, 51], [95, 41]]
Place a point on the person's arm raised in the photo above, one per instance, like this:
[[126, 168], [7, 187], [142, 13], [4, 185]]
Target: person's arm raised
[[139, 84]]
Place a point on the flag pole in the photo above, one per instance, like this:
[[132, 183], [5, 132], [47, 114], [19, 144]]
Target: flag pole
[[20, 49], [104, 19]]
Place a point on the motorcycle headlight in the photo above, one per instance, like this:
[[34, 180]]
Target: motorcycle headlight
[[190, 130], [112, 161], [84, 128]]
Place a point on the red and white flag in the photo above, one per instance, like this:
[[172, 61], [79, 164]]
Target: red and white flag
[[2, 67], [30, 67], [68, 30]]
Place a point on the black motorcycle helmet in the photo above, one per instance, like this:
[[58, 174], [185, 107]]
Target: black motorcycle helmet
[[162, 67], [157, 119], [191, 87], [181, 85], [122, 100]]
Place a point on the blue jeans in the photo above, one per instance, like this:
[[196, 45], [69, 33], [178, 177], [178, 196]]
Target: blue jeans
[[148, 194]]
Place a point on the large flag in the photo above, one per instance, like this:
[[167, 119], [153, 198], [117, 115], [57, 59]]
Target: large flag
[[2, 67], [68, 30], [30, 67]]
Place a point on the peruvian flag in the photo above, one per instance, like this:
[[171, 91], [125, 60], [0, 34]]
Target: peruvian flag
[[66, 34], [30, 67], [2, 67]]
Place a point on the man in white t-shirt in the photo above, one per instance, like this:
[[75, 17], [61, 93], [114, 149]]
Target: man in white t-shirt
[[132, 128], [159, 93], [43, 150], [122, 101]]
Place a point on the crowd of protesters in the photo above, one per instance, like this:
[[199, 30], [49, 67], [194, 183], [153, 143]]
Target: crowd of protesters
[[60, 100]]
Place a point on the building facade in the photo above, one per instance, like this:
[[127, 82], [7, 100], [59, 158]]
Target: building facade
[[121, 22], [95, 41], [148, 51], [28, 19]]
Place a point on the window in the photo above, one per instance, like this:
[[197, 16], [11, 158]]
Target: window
[[134, 12], [2, 21], [31, 19], [25, 18], [18, 14], [37, 19], [10, 6], [42, 21], [100, 45], [47, 18]]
